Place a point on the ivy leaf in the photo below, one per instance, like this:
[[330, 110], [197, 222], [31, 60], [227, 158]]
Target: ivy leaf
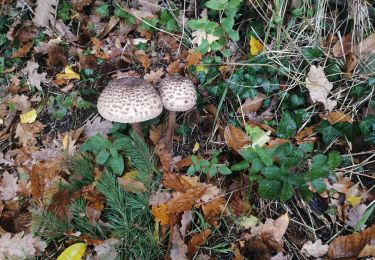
[[334, 159], [224, 170], [287, 127], [216, 4], [328, 131], [270, 189], [367, 127]]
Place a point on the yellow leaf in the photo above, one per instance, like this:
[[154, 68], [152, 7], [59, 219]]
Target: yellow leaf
[[354, 201], [28, 117], [68, 74], [201, 68], [160, 213], [74, 252], [65, 141], [255, 46], [196, 147]]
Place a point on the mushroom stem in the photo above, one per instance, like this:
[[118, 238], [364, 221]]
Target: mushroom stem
[[137, 128], [170, 130]]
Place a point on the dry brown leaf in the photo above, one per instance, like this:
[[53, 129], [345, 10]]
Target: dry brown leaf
[[316, 249], [276, 141], [342, 46], [186, 162], [194, 58], [197, 240], [174, 67], [355, 215], [366, 47], [108, 27], [160, 213], [143, 58], [252, 105], [179, 249], [154, 76], [56, 56], [351, 62], [336, 116], [21, 102], [45, 13], [60, 203], [212, 210], [23, 50], [97, 49], [186, 219], [151, 6], [160, 197], [168, 41], [26, 133], [97, 125], [34, 78], [319, 87], [367, 251], [351, 245], [130, 183], [21, 246], [94, 203], [174, 181], [8, 186], [183, 201], [235, 137], [80, 4], [306, 132]]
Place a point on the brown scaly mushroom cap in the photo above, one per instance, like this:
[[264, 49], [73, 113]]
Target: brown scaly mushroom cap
[[129, 100], [177, 93]]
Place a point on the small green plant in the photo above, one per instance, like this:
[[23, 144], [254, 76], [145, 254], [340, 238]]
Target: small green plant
[[61, 104], [216, 34], [210, 167], [287, 168]]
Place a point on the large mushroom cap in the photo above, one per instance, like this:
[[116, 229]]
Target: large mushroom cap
[[177, 93], [129, 100]]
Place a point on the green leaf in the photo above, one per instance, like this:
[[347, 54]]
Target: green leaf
[[203, 163], [212, 171], [271, 172], [334, 159], [102, 157], [216, 4], [287, 127], [329, 132], [367, 127], [256, 166], [319, 185], [203, 47], [191, 170], [307, 147], [117, 165], [103, 10], [287, 191], [227, 24], [364, 218], [240, 166], [263, 155], [270, 189], [306, 194], [202, 24], [95, 144], [224, 170], [248, 154], [120, 13]]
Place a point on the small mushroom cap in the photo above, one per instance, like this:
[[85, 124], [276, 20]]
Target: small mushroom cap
[[129, 100], [177, 93]]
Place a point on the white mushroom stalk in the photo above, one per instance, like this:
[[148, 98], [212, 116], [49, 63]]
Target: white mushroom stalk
[[129, 100], [178, 94]]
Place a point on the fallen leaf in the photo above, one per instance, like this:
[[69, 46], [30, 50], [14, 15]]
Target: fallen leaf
[[68, 74], [8, 186], [143, 58], [92, 127], [160, 213], [367, 251], [186, 162], [174, 67], [355, 214], [197, 240], [354, 201], [342, 46], [154, 76], [80, 4], [160, 197], [44, 13], [130, 183], [336, 117], [179, 249], [34, 78], [212, 210], [193, 58], [107, 249], [60, 200], [252, 105], [351, 63], [94, 203], [351, 245], [306, 132], [256, 46], [316, 249], [183, 201], [20, 246], [366, 47], [28, 117], [235, 137], [168, 41], [186, 219], [74, 251], [200, 35], [248, 222], [26, 133], [22, 51], [319, 87]]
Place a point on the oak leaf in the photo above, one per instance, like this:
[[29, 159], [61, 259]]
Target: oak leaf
[[212, 210], [197, 240], [252, 105], [45, 13], [34, 78], [20, 246], [154, 76], [235, 137], [316, 249], [8, 186]]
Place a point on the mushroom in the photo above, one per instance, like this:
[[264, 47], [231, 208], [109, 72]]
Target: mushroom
[[177, 94], [129, 100]]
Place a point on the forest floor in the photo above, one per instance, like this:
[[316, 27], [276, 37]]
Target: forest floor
[[275, 160]]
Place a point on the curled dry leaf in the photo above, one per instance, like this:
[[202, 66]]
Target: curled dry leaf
[[94, 203], [319, 87], [336, 117], [20, 246], [306, 132], [252, 105], [179, 249], [351, 245], [23, 50], [194, 58], [154, 76], [197, 240], [316, 249], [235, 137], [342, 46], [97, 125], [351, 62], [186, 218]]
